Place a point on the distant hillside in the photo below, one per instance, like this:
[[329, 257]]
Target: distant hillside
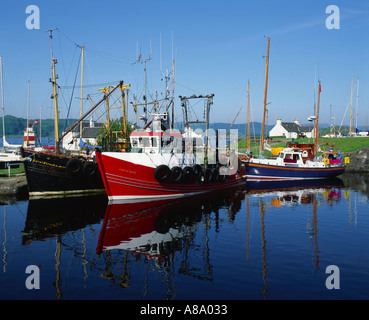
[[255, 127], [14, 126]]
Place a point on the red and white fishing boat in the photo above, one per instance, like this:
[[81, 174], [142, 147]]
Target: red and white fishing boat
[[164, 164]]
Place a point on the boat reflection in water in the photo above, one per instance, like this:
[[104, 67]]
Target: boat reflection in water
[[260, 186], [281, 193], [190, 248], [53, 217], [159, 228]]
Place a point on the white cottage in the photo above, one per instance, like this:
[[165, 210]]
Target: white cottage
[[291, 130], [90, 130]]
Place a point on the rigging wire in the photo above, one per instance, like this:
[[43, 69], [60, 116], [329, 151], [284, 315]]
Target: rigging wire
[[71, 96]]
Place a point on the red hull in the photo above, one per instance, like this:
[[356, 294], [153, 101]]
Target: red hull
[[126, 181]]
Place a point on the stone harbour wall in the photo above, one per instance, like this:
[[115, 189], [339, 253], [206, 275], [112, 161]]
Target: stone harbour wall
[[359, 162]]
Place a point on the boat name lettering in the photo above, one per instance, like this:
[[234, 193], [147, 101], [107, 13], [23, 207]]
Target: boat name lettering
[[49, 164], [129, 171]]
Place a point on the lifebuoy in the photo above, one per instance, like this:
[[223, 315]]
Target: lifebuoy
[[161, 173], [326, 161], [304, 154], [207, 175], [73, 166], [197, 171], [214, 175], [89, 169], [187, 174], [176, 174]]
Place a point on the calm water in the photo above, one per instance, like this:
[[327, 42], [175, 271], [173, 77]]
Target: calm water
[[253, 243]]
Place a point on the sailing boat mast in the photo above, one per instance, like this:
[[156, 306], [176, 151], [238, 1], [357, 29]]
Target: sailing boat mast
[[357, 104], [317, 122], [80, 125], [248, 117], [265, 97], [2, 96], [352, 89], [55, 95], [28, 102]]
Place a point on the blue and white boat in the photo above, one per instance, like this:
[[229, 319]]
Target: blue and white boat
[[293, 163]]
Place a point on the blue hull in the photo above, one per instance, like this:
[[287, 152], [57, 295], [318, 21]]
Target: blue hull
[[270, 172]]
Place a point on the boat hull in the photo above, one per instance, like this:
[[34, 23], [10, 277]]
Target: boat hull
[[257, 171], [126, 181], [49, 175]]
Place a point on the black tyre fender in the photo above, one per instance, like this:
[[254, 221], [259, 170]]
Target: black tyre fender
[[176, 174], [197, 171], [89, 169], [161, 173], [73, 166], [187, 174], [214, 175], [207, 175]]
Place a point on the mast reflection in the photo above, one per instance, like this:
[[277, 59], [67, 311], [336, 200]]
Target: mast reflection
[[291, 193]]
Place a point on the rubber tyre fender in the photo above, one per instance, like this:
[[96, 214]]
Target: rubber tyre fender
[[214, 175], [73, 166], [176, 174], [197, 171], [161, 173], [207, 175], [89, 169], [187, 174]]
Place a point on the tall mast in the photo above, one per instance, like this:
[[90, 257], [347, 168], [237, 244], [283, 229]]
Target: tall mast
[[55, 95], [28, 101], [352, 87], [173, 82], [2, 95], [317, 121], [248, 116], [357, 102], [265, 97], [80, 125]]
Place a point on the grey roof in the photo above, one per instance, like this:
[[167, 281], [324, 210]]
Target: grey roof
[[89, 133], [86, 124], [291, 127], [306, 128]]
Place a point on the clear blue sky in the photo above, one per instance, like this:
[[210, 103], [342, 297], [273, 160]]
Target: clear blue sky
[[218, 46]]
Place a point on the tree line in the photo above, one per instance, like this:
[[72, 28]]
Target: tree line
[[15, 127]]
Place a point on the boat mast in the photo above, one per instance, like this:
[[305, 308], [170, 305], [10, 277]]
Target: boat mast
[[357, 103], [317, 122], [55, 95], [248, 117], [28, 101], [352, 87], [265, 97], [80, 125], [2, 95]]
